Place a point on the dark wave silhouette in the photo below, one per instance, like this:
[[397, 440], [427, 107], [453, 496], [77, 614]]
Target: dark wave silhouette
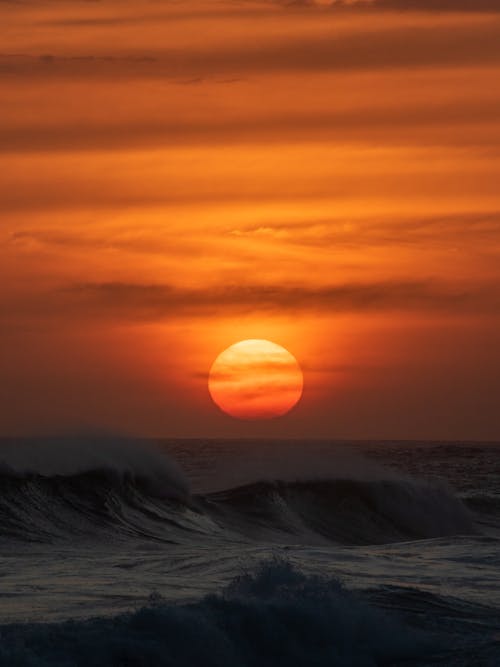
[[114, 504], [350, 511]]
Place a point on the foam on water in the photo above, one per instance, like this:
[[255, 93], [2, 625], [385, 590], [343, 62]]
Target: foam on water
[[276, 615]]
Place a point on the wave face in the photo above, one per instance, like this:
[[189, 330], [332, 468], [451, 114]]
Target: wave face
[[348, 511], [277, 615], [146, 496]]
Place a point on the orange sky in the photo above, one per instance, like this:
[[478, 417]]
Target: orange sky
[[179, 176]]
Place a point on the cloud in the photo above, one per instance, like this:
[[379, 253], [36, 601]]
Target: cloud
[[422, 231], [142, 241], [157, 301], [388, 48], [399, 5], [477, 231], [440, 5], [391, 122]]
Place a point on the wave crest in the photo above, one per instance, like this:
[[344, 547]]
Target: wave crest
[[112, 503]]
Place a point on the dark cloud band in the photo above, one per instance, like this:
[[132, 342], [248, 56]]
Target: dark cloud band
[[156, 301]]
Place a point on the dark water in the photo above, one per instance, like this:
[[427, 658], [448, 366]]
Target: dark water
[[120, 552]]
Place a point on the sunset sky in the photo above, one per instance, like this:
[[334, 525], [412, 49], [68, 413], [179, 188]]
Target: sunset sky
[[179, 176]]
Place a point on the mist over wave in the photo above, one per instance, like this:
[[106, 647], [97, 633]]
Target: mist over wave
[[117, 457]]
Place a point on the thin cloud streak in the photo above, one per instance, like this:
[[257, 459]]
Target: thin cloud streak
[[476, 227], [481, 227], [390, 48], [352, 124], [154, 301], [473, 6], [440, 5]]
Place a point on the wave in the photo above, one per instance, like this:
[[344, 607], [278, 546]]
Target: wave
[[348, 511], [484, 503], [146, 496], [276, 615], [67, 487], [115, 457]]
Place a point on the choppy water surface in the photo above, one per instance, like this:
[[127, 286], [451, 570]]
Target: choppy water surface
[[243, 553]]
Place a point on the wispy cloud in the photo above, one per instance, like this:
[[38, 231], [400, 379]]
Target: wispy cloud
[[441, 5], [398, 5], [388, 48], [475, 229], [390, 122], [157, 301], [424, 231]]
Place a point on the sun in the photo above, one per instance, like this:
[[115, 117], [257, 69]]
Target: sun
[[255, 379]]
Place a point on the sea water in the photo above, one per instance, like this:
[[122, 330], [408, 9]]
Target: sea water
[[116, 551]]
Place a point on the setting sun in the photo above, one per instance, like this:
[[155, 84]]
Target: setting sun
[[255, 379]]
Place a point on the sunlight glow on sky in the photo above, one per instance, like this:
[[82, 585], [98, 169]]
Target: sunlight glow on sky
[[177, 177]]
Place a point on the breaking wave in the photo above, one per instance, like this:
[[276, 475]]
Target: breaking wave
[[138, 492], [348, 511]]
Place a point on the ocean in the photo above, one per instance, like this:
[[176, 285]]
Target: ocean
[[244, 553]]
